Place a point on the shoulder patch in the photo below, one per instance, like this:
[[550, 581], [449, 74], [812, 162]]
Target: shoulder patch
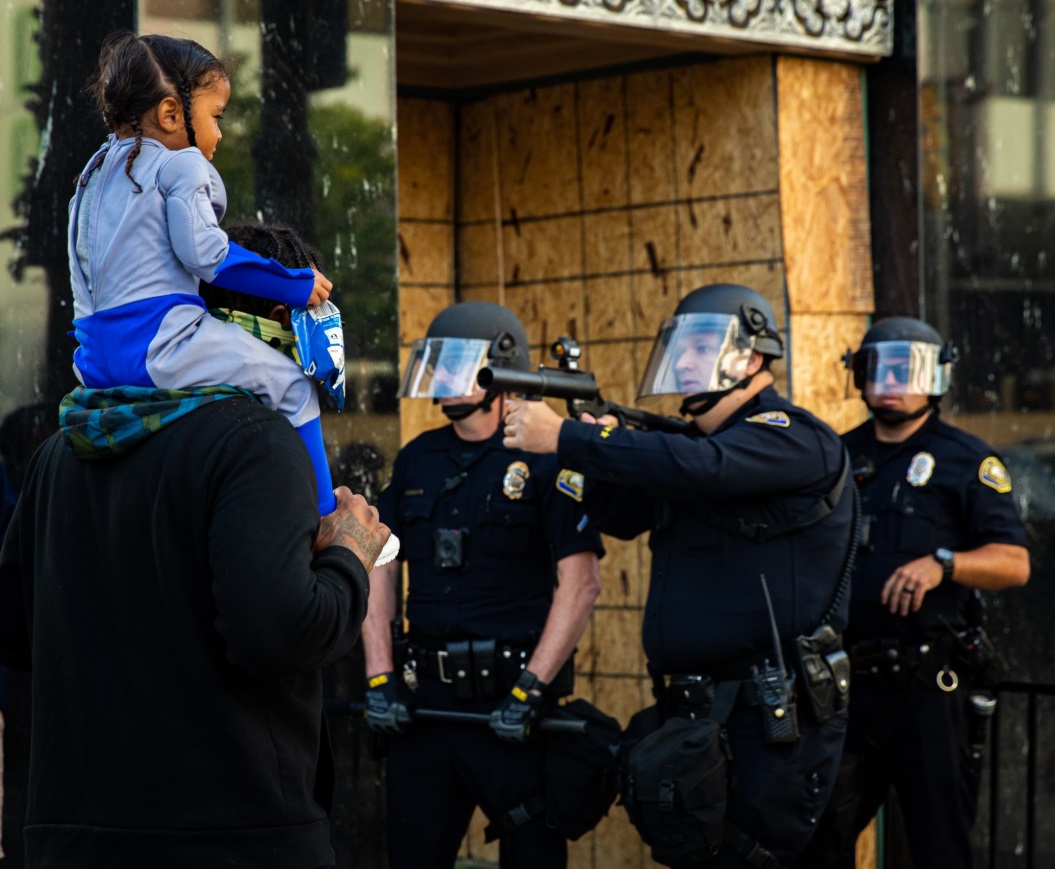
[[570, 483], [994, 475], [771, 417]]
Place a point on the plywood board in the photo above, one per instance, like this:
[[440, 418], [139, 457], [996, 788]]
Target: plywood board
[[477, 162], [536, 250], [649, 125], [426, 253], [736, 229], [818, 377], [606, 243], [824, 186], [725, 127], [425, 159], [617, 642], [417, 307], [608, 308], [603, 143], [621, 573], [479, 247], [538, 168]]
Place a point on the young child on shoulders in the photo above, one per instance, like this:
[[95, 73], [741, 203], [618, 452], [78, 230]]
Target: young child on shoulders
[[144, 230]]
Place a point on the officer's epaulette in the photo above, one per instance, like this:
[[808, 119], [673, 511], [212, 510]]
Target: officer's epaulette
[[771, 417]]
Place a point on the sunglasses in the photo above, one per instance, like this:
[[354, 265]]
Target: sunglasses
[[883, 370]]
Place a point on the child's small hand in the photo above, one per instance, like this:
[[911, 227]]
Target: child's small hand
[[320, 292]]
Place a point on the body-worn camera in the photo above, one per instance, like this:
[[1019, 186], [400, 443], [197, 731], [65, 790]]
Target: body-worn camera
[[450, 545]]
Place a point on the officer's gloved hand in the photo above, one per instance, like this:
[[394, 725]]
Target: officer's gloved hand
[[515, 718], [386, 709]]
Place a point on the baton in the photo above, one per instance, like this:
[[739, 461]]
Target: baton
[[557, 725]]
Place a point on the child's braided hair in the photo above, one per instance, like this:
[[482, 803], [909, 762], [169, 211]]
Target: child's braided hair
[[137, 72]]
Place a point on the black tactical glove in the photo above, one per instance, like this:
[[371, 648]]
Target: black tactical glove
[[386, 710], [515, 718]]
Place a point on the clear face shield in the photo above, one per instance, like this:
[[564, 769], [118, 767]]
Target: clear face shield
[[901, 368], [444, 367], [696, 354]]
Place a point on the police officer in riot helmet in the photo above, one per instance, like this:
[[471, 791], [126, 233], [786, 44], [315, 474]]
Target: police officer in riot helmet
[[750, 517], [939, 524], [502, 576]]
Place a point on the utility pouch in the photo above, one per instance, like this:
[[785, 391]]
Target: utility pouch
[[581, 773], [824, 673], [460, 661], [581, 770], [675, 785], [484, 661], [776, 702]]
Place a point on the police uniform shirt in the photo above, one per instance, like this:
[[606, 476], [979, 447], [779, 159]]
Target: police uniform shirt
[[521, 514], [942, 487], [766, 464]]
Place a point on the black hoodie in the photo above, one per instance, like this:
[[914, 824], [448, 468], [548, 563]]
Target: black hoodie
[[175, 620]]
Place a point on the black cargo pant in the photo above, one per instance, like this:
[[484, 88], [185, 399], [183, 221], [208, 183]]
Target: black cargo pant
[[439, 772], [915, 740]]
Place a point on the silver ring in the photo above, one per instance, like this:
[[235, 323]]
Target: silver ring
[[908, 591]]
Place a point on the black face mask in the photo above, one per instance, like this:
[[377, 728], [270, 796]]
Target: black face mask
[[887, 416]]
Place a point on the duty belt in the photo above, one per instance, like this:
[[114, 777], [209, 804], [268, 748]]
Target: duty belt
[[457, 659], [891, 662], [476, 669]]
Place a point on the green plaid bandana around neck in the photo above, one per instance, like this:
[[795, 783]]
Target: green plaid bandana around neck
[[271, 332], [105, 423]]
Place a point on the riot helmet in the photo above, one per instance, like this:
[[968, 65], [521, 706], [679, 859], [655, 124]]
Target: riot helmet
[[702, 352], [901, 356], [460, 341]]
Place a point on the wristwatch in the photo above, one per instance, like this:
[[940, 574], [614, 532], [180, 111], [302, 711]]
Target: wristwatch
[[947, 560]]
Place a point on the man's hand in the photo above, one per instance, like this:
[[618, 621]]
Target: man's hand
[[386, 710], [320, 290], [353, 525], [515, 718], [532, 426], [903, 592]]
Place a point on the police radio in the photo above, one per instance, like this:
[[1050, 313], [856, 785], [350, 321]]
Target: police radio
[[776, 687]]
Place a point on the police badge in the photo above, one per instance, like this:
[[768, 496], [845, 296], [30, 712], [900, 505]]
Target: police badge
[[515, 480], [920, 469]]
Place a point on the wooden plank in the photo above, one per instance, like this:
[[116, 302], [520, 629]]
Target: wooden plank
[[426, 254], [818, 376], [477, 179], [537, 147], [725, 127], [649, 123], [824, 186], [603, 144], [425, 159], [729, 230]]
